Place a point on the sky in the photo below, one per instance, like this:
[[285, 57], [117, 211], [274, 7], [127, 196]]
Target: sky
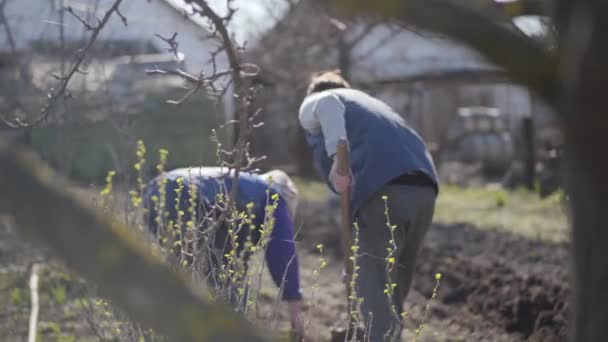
[[253, 16]]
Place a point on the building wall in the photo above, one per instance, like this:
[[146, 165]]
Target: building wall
[[39, 20], [430, 108], [389, 53], [32, 20]]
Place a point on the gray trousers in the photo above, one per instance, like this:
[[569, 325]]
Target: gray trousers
[[410, 209]]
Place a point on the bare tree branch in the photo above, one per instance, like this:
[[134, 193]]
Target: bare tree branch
[[185, 97], [241, 94], [186, 76], [84, 23], [62, 89], [198, 82], [122, 17], [237, 71], [239, 74], [172, 42]]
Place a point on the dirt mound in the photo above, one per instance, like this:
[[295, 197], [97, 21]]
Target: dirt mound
[[499, 277]]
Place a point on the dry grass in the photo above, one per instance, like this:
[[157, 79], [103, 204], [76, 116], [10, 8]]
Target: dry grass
[[520, 212]]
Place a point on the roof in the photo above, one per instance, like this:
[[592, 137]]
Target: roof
[[409, 55], [383, 55], [186, 9]]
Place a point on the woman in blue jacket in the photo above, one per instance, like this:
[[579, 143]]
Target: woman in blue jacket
[[258, 195]]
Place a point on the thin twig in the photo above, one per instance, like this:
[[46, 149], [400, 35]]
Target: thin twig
[[84, 23], [186, 76], [239, 87], [172, 42], [122, 17], [185, 97], [33, 327], [240, 157]]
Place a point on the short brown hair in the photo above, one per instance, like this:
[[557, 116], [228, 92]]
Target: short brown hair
[[326, 80]]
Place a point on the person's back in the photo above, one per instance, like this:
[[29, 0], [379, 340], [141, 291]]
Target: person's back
[[382, 146], [203, 193], [210, 185]]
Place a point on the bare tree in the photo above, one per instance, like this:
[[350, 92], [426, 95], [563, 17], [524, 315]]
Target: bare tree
[[239, 76]]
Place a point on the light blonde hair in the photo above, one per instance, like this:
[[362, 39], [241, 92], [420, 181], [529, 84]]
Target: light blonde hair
[[285, 187], [325, 80]]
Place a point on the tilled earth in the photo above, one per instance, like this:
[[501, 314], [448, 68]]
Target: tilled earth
[[494, 286]]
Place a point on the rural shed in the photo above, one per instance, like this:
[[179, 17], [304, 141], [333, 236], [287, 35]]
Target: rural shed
[[424, 76]]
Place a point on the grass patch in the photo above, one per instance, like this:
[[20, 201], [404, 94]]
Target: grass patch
[[520, 212]]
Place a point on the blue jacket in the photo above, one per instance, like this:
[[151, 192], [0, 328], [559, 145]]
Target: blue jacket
[[381, 146], [280, 255]]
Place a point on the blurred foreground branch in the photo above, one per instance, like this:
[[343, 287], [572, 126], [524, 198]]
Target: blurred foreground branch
[[108, 255]]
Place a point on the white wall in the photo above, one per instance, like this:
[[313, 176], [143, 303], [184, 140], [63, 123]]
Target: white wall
[[386, 55], [32, 20]]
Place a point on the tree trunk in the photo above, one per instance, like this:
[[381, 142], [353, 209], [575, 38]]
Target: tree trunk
[[584, 77]]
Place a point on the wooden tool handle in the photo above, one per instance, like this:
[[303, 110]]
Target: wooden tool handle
[[343, 168]]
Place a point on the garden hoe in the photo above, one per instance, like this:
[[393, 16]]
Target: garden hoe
[[346, 224]]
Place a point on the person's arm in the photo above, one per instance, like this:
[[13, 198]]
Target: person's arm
[[281, 254], [324, 113], [282, 261]]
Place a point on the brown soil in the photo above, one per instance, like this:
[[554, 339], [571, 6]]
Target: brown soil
[[494, 286]]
